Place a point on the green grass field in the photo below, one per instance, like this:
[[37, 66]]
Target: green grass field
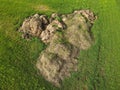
[[98, 67]]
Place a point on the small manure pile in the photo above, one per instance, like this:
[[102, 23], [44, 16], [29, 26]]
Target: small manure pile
[[65, 35]]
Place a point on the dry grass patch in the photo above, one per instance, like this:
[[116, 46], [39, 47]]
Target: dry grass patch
[[42, 8]]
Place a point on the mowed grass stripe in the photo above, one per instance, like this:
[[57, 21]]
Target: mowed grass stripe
[[110, 43]]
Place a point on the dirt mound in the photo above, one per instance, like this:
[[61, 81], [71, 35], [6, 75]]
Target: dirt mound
[[66, 35]]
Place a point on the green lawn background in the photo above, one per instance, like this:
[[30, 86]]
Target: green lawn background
[[98, 66]]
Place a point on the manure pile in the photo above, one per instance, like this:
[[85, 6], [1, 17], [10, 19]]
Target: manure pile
[[65, 36]]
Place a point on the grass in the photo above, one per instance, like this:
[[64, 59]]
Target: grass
[[99, 66]]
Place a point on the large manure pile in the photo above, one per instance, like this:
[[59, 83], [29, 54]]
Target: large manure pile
[[65, 35]]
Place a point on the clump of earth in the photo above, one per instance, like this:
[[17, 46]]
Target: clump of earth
[[65, 35]]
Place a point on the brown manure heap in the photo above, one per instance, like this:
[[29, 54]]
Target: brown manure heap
[[65, 35]]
